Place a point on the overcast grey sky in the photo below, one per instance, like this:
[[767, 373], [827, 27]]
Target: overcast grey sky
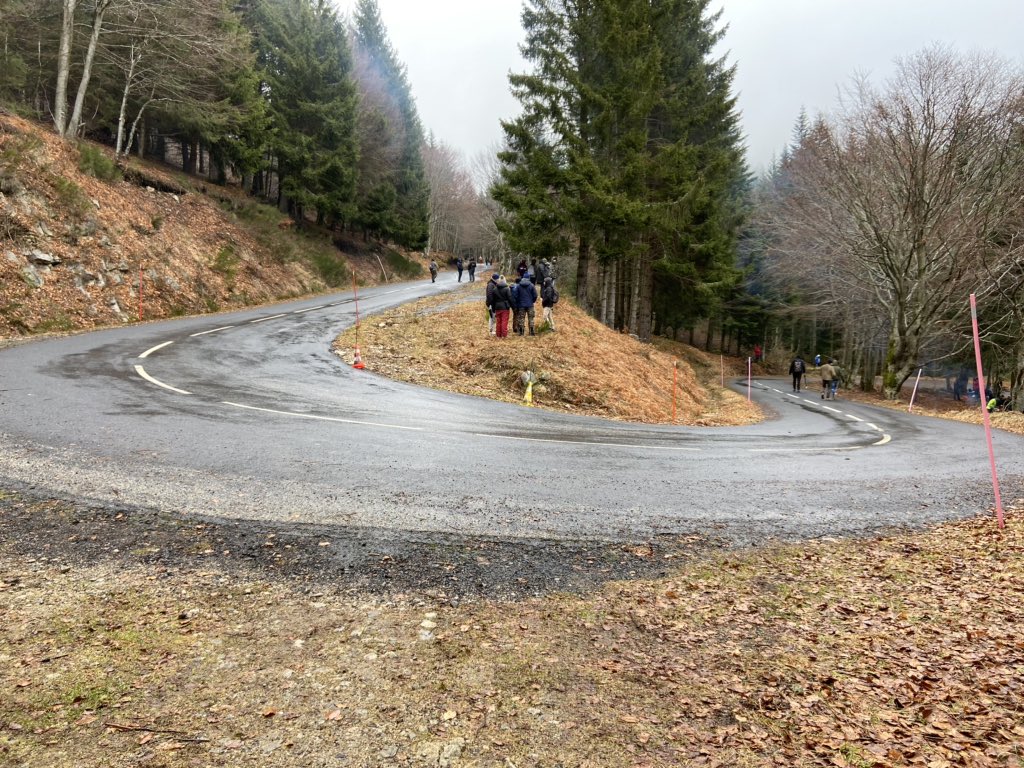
[[789, 53]]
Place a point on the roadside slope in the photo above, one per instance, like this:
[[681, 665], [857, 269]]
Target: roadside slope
[[78, 251], [583, 368]]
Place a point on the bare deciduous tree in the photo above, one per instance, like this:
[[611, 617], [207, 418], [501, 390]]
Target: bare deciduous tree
[[908, 192]]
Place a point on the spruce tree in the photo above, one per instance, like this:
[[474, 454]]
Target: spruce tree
[[306, 65], [393, 193]]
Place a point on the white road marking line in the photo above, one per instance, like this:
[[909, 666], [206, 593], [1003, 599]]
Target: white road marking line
[[584, 442], [151, 350], [264, 319], [885, 439], [776, 390], [139, 370], [322, 418], [812, 402], [310, 309], [807, 450], [877, 429], [851, 416], [830, 408], [790, 394], [203, 333]]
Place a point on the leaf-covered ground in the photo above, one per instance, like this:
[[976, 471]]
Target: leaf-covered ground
[[905, 650]]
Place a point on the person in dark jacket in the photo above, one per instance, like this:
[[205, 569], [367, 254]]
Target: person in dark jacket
[[548, 299], [489, 292], [471, 267], [459, 266], [522, 267], [502, 306], [797, 369], [525, 299], [516, 315]]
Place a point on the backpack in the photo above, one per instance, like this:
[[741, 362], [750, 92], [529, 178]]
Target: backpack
[[554, 295], [798, 366]]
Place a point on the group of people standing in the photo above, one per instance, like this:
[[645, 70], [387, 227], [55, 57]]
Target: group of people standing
[[520, 298]]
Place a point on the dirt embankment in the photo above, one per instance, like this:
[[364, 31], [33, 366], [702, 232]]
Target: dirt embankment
[[84, 244], [583, 367]]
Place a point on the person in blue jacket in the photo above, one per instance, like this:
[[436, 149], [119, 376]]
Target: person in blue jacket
[[525, 299]]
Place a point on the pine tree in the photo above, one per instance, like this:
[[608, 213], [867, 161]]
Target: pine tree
[[306, 64], [628, 143], [393, 192]]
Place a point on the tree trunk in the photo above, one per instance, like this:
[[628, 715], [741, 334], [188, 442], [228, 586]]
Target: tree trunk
[[646, 298], [60, 96], [583, 274], [119, 145], [83, 86]]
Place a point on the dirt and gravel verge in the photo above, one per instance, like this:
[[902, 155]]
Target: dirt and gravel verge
[[133, 639]]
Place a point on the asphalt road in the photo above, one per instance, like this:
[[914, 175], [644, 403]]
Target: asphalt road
[[249, 416]]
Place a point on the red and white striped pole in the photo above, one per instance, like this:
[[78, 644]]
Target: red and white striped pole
[[984, 411], [140, 292], [748, 379]]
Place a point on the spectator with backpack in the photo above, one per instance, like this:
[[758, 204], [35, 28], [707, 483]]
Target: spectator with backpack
[[489, 293], [797, 369], [548, 299]]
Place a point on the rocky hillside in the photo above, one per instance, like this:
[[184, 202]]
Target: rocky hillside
[[84, 244]]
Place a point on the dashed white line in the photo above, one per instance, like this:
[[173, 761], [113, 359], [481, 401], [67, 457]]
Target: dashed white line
[[264, 319], [874, 427], [151, 350], [308, 309], [790, 394], [830, 408], [885, 439], [141, 371], [322, 418], [585, 442], [214, 330]]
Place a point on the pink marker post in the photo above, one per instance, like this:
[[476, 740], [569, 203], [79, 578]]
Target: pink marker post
[[984, 411], [913, 394]]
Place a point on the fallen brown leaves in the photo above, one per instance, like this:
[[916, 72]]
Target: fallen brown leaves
[[903, 650], [584, 367]]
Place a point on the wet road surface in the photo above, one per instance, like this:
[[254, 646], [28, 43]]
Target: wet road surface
[[250, 417]]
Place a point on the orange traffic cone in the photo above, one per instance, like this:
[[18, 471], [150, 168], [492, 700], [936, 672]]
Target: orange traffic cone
[[358, 362]]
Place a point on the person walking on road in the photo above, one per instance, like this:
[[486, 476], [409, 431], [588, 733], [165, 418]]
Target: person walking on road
[[471, 267], [828, 377], [526, 298], [433, 271], [548, 299], [459, 266], [502, 306], [797, 369]]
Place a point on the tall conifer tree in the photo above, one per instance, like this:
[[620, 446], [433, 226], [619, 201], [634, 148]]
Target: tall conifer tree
[[393, 196]]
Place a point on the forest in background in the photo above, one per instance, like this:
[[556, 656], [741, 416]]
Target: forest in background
[[625, 166]]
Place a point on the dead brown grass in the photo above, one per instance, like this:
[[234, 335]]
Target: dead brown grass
[[584, 367], [901, 651]]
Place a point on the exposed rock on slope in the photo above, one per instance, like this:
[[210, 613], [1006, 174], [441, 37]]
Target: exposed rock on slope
[[74, 248]]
